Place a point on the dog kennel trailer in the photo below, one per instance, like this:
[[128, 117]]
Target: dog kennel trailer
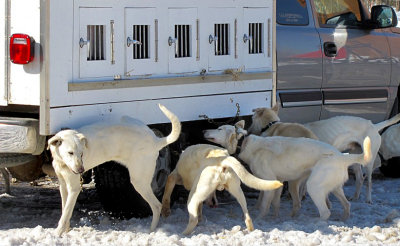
[[70, 63], [98, 60]]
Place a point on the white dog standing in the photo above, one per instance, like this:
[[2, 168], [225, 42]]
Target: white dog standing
[[286, 158], [131, 143], [347, 133]]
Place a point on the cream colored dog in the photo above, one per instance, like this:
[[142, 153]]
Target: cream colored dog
[[346, 133], [266, 122], [131, 143], [204, 168], [286, 158]]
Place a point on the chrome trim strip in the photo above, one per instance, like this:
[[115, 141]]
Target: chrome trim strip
[[354, 101], [301, 104]]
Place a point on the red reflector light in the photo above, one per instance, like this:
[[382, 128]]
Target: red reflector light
[[21, 48]]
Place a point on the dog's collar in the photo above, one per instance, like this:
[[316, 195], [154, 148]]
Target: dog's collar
[[269, 125]]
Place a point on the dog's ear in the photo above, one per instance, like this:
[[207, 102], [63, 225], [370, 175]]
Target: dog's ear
[[240, 124], [232, 143], [258, 111], [55, 141], [83, 139], [275, 108]]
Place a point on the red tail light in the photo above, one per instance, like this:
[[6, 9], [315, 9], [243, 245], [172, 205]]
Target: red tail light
[[21, 48]]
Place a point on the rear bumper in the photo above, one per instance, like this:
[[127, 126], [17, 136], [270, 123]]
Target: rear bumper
[[20, 135]]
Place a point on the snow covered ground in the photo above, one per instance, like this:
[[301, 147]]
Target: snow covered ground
[[31, 214]]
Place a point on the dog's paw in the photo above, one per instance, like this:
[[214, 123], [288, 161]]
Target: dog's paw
[[59, 231], [165, 212]]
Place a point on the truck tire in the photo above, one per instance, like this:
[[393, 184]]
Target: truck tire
[[117, 194]]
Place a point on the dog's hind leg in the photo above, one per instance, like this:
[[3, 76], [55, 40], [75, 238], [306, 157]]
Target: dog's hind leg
[[6, 177], [359, 180], [142, 183], [318, 196], [338, 192], [369, 169], [73, 189], [203, 187], [169, 187], [233, 186]]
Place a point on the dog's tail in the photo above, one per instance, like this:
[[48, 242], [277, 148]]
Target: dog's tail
[[379, 126], [176, 128], [363, 158], [247, 178]]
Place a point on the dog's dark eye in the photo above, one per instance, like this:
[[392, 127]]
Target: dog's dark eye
[[71, 153]]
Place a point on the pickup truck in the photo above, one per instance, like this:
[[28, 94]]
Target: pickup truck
[[333, 58], [317, 58]]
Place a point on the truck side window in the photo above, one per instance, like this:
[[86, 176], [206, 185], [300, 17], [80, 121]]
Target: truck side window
[[292, 12], [338, 12]]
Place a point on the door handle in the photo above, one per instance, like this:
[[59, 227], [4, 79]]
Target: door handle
[[330, 49]]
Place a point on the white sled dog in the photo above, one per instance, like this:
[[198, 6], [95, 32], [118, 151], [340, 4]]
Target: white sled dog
[[131, 143], [286, 158], [346, 133], [204, 168]]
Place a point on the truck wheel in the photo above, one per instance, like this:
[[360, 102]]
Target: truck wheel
[[118, 195]]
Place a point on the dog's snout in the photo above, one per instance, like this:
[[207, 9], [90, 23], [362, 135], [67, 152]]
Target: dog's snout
[[81, 170]]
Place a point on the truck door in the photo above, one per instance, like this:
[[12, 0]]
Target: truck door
[[299, 59], [356, 61]]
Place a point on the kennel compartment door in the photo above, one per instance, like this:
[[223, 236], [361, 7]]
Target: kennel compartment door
[[257, 37], [94, 42], [183, 40], [222, 30], [141, 29]]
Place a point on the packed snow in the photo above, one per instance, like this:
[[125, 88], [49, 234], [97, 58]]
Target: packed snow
[[30, 214]]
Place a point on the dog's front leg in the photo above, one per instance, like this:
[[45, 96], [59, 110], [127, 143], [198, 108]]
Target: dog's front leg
[[63, 192], [73, 189], [276, 201]]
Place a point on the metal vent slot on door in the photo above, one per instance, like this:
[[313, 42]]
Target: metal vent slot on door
[[96, 44], [141, 49], [221, 32], [182, 45], [256, 38]]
